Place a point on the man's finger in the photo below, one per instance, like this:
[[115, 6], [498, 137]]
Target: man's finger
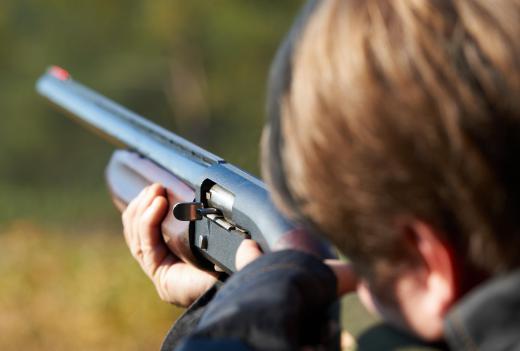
[[247, 252], [181, 283], [129, 215], [129, 219], [149, 195], [149, 228]]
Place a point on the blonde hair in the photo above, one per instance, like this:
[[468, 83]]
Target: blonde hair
[[383, 110]]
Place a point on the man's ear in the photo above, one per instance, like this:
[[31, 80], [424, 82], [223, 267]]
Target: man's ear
[[427, 292], [439, 263]]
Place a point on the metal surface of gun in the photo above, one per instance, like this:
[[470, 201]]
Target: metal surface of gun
[[213, 204]]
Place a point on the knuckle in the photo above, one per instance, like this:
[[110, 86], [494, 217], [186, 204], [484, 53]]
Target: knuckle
[[124, 216], [162, 295], [137, 253], [157, 188], [161, 284]]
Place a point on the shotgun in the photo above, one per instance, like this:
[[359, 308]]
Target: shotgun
[[213, 204]]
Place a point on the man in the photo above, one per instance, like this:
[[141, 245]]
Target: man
[[394, 131]]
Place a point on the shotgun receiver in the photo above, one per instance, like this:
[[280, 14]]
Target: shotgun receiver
[[213, 204]]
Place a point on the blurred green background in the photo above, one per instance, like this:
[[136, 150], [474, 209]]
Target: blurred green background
[[196, 67]]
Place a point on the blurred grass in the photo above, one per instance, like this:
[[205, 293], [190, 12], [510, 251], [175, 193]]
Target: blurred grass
[[75, 291], [81, 290]]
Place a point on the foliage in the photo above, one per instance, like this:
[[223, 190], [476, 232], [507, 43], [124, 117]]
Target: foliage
[[196, 67]]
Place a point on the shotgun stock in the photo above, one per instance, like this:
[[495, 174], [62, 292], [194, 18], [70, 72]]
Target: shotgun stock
[[213, 204]]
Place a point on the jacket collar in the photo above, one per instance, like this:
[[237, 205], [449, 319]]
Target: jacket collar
[[488, 318]]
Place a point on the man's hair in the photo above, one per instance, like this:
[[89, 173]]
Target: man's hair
[[382, 111]]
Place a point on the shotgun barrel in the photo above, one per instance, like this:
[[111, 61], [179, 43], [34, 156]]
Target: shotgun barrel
[[219, 204]]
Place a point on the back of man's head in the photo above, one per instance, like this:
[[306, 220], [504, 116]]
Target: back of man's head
[[384, 111]]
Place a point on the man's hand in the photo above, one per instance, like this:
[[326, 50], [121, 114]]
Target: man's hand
[[176, 282]]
